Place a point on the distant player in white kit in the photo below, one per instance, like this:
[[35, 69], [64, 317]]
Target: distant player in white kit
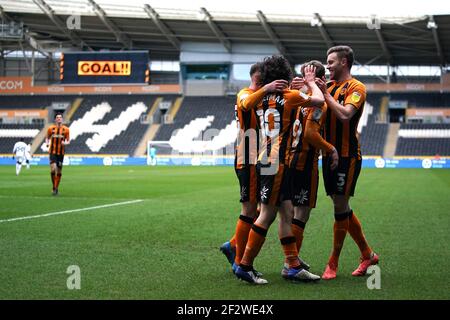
[[19, 152]]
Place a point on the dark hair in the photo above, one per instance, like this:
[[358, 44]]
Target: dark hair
[[57, 114], [343, 52], [274, 68], [320, 69], [255, 68]]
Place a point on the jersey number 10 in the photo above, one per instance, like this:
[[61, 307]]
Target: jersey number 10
[[269, 121]]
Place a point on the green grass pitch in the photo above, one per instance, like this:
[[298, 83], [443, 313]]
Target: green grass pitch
[[166, 247]]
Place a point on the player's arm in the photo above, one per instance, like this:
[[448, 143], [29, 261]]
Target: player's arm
[[312, 135], [66, 138], [252, 100], [343, 112], [317, 98]]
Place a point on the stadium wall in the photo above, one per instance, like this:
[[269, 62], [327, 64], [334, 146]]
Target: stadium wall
[[122, 160]]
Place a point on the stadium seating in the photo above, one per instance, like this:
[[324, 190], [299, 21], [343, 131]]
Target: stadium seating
[[425, 126], [423, 139], [423, 147], [110, 124], [198, 114], [11, 133], [373, 134], [110, 128]]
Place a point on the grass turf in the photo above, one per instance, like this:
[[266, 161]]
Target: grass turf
[[166, 247]]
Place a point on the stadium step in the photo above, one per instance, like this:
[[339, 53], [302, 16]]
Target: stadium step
[[151, 130], [39, 140], [391, 140], [148, 136], [72, 109], [175, 108]]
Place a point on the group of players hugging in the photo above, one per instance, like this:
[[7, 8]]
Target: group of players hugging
[[284, 123]]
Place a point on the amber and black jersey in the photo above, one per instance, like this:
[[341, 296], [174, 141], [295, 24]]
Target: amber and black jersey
[[344, 135], [276, 114], [304, 152], [246, 152], [57, 135]]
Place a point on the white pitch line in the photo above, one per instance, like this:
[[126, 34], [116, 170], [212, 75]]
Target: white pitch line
[[69, 211], [46, 197]]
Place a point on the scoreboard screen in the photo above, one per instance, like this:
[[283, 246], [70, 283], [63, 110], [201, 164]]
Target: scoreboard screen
[[122, 67]]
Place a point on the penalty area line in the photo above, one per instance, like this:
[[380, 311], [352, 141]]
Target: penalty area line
[[70, 211]]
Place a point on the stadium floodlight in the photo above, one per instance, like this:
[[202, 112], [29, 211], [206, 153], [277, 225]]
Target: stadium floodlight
[[432, 24], [373, 22], [201, 15], [315, 22]]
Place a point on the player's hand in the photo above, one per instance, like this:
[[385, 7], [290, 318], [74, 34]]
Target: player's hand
[[322, 85], [334, 159], [310, 74], [297, 83], [276, 86]]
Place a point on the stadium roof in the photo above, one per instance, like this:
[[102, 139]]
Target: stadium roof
[[108, 24]]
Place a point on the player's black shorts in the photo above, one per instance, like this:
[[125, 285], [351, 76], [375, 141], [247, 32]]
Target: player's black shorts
[[249, 183], [58, 159], [304, 184], [275, 188], [342, 180]]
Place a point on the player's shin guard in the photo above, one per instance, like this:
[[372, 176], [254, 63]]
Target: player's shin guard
[[57, 180], [256, 239], [298, 227], [243, 227], [290, 251], [340, 229], [355, 230], [52, 174]]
